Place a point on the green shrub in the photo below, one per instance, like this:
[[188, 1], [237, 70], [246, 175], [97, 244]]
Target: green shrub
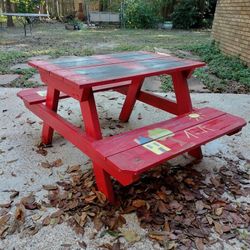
[[193, 14], [141, 14]]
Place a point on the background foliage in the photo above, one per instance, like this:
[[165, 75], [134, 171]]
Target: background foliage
[[189, 14], [141, 14]]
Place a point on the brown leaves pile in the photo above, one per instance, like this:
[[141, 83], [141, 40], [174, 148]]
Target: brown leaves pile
[[175, 204]]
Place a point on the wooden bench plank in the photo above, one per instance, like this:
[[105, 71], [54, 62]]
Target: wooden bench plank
[[142, 157], [126, 140], [38, 95]]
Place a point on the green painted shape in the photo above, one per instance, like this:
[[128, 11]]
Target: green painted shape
[[160, 132]]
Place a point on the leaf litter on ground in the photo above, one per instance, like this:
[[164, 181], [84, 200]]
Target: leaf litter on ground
[[174, 204]]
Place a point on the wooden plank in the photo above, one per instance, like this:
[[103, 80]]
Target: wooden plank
[[90, 116], [110, 68], [52, 104], [89, 61], [133, 91], [126, 141], [154, 100], [38, 95], [111, 74], [141, 158]]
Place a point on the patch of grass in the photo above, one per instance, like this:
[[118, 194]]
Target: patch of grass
[[25, 75], [227, 68], [9, 58], [166, 83]]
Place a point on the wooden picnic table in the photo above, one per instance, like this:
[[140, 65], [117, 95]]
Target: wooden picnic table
[[26, 19], [125, 156]]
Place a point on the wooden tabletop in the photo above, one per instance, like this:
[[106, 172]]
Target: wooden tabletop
[[103, 69]]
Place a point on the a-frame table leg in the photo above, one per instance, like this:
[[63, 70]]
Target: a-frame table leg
[[92, 129], [133, 91], [184, 102], [52, 103]]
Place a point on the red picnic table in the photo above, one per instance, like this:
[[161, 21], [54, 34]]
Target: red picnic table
[[125, 156]]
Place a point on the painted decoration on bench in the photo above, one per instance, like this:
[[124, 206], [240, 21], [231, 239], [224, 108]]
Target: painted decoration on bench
[[196, 131], [160, 133], [42, 93], [195, 116], [154, 146]]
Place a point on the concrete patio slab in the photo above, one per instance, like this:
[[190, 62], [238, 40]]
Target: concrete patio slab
[[20, 164], [7, 78], [20, 66]]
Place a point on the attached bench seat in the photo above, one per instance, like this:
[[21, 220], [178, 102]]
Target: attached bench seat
[[136, 151], [38, 95]]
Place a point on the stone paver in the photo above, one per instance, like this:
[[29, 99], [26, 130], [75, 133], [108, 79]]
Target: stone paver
[[8, 78], [20, 66], [41, 57], [197, 86]]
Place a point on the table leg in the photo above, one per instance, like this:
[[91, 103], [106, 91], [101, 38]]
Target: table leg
[[92, 129], [184, 103], [103, 182], [133, 91], [52, 103], [24, 27], [90, 116]]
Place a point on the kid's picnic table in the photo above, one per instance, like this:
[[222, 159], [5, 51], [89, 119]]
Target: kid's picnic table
[[125, 156]]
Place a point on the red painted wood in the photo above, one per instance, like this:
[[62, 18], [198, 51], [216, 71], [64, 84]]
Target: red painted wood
[[90, 116], [51, 103], [157, 101], [85, 80], [96, 60], [68, 76], [133, 91], [32, 97], [125, 141], [79, 138], [103, 182], [85, 143], [139, 159], [182, 95], [183, 100], [126, 156]]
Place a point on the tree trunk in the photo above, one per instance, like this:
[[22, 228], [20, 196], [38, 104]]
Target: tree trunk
[[10, 22]]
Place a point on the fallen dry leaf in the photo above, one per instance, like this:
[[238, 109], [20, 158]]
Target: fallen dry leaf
[[199, 244], [199, 205], [50, 187], [218, 211], [57, 163], [159, 236], [101, 197], [46, 165], [29, 202], [73, 169], [218, 228], [20, 213], [6, 205], [46, 221], [14, 194], [130, 236], [4, 219], [138, 203]]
